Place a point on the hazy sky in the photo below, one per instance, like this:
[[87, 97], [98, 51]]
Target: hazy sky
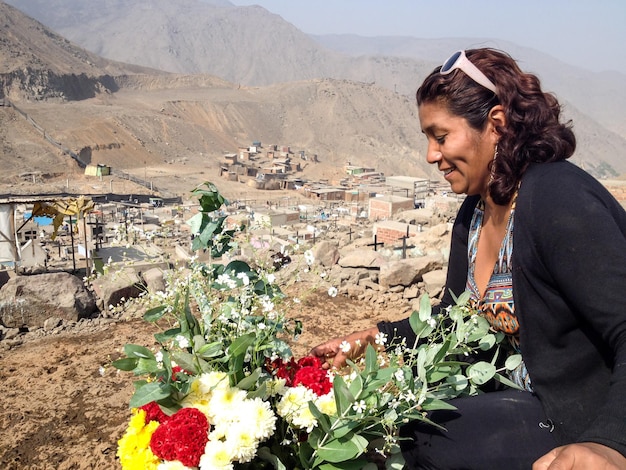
[[588, 33]]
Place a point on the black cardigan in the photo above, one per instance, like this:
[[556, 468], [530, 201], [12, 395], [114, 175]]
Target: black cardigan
[[569, 286]]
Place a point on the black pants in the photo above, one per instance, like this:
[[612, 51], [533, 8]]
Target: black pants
[[504, 430]]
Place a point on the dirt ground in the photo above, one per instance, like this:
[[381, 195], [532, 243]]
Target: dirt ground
[[65, 406]]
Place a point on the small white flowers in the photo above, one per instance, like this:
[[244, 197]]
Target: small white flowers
[[227, 281], [381, 339], [309, 258], [345, 346], [183, 342], [431, 322], [159, 357], [332, 291], [244, 278], [359, 406]]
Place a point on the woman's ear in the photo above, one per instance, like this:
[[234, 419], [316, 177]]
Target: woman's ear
[[497, 118]]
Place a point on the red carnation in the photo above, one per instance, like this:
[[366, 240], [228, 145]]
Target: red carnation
[[154, 412], [310, 361], [182, 437], [284, 370], [314, 379]]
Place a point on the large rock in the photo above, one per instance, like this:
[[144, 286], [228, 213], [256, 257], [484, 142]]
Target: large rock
[[407, 271], [363, 258], [154, 279], [28, 301], [434, 282], [115, 287], [326, 253]]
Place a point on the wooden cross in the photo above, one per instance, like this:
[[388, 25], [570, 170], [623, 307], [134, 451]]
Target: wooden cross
[[404, 247], [375, 244]]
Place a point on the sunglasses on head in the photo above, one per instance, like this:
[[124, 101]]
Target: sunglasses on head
[[459, 60]]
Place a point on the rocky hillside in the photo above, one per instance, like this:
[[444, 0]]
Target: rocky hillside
[[173, 129], [40, 64], [252, 46]]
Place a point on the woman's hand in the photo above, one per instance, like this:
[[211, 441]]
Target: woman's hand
[[583, 456], [334, 352]]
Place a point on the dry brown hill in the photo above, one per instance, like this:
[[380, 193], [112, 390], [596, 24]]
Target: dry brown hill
[[173, 129]]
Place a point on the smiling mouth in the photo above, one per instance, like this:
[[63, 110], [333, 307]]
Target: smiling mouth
[[448, 171]]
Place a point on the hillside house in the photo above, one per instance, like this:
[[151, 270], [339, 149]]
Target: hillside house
[[353, 170], [358, 195], [418, 188], [326, 194], [245, 155], [390, 231], [230, 158], [385, 207], [276, 217], [97, 170], [368, 177]]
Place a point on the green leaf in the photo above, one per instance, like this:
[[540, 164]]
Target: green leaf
[[505, 381], [140, 352], [462, 299], [238, 267], [487, 342], [358, 464], [426, 310], [211, 350], [341, 450], [481, 372], [512, 362], [266, 455], [155, 314], [149, 392], [356, 386], [146, 367], [127, 364], [241, 344], [347, 427], [371, 360], [436, 404], [195, 223], [419, 327], [441, 371], [167, 335], [458, 382], [247, 383], [322, 420], [343, 397], [185, 360]]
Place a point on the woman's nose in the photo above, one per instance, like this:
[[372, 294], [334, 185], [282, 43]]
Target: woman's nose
[[433, 155]]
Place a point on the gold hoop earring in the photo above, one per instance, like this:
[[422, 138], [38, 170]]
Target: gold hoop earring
[[493, 165]]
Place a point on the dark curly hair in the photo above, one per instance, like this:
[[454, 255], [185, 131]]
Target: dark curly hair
[[533, 131]]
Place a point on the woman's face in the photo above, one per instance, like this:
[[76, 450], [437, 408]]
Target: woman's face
[[462, 153]]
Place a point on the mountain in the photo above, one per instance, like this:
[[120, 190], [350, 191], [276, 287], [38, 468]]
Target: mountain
[[174, 125], [176, 128], [600, 95], [252, 46]]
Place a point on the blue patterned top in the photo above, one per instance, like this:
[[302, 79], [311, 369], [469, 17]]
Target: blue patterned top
[[497, 304]]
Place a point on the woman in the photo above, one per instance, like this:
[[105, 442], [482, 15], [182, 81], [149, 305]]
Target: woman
[[556, 286]]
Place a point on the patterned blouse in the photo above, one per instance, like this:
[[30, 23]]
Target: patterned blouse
[[497, 304]]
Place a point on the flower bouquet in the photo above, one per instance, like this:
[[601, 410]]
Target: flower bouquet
[[223, 390]]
